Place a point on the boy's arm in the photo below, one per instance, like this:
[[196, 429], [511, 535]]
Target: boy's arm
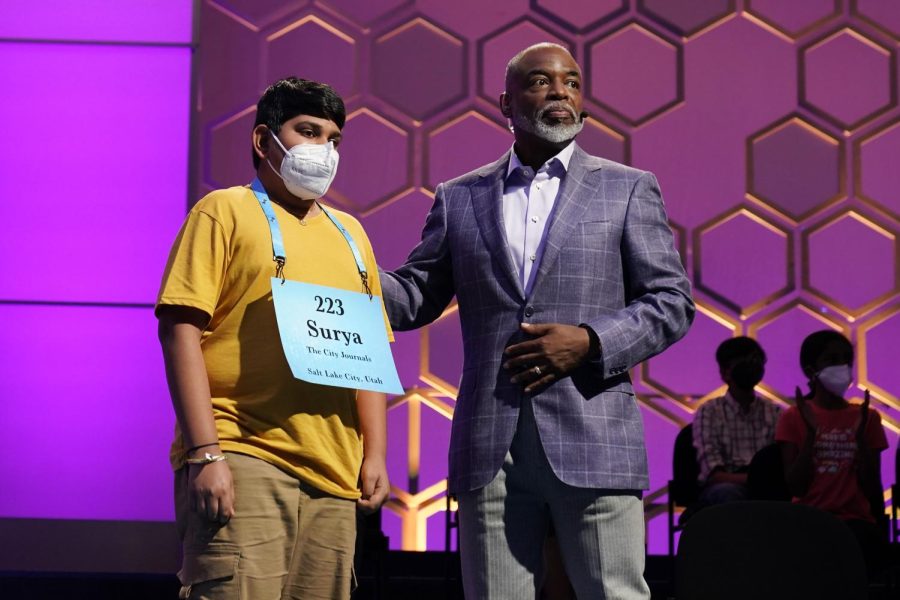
[[210, 487], [372, 407]]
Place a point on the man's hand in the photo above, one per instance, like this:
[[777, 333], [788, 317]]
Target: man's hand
[[554, 351], [211, 491], [373, 484], [806, 412]]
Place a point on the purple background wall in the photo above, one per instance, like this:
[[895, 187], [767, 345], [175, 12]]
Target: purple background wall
[[772, 126]]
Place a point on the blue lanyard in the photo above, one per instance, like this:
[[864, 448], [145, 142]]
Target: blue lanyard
[[278, 254]]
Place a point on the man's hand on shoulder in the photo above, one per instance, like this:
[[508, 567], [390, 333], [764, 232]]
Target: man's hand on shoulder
[[554, 351]]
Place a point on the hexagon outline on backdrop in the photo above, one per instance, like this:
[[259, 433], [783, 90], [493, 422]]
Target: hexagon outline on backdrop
[[231, 14], [850, 314], [862, 351], [751, 15], [750, 171], [363, 25], [310, 19], [445, 388], [211, 128], [861, 37], [535, 6], [707, 25], [440, 127], [483, 40], [391, 195], [858, 191], [862, 16], [681, 399], [679, 74], [742, 311], [419, 19], [804, 305], [333, 30]]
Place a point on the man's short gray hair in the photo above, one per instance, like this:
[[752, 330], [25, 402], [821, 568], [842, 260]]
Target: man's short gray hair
[[513, 63]]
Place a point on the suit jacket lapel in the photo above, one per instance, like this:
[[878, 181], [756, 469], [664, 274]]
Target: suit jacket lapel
[[578, 190], [487, 201]]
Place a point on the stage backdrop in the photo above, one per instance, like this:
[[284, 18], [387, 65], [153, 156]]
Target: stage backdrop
[[773, 128]]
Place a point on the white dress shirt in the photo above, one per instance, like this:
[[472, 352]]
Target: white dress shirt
[[528, 200]]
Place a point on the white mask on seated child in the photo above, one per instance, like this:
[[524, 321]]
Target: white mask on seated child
[[836, 379]]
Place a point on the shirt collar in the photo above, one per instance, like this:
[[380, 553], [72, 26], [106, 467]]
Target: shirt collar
[[737, 405], [563, 157]]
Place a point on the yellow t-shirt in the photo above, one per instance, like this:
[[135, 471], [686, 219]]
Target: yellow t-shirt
[[221, 263]]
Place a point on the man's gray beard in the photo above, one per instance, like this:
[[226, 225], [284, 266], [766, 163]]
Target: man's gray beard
[[555, 134]]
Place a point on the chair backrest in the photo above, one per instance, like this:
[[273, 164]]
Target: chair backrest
[[684, 488], [768, 550], [765, 475]]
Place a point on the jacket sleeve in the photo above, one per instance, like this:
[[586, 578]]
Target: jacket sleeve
[[417, 293], [659, 308]]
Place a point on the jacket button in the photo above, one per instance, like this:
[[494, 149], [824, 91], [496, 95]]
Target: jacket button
[[529, 310]]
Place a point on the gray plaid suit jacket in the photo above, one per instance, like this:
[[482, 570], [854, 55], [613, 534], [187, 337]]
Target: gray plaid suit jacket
[[609, 262]]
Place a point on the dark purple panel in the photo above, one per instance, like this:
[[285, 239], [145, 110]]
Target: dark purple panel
[[419, 68], [396, 228], [313, 49], [689, 368], [86, 415], [687, 16], [634, 72], [881, 353], [463, 144], [795, 168], [95, 157], [879, 175], [780, 336], [793, 18], [838, 273], [374, 161], [744, 260], [841, 65], [365, 11], [457, 15], [883, 14], [580, 15]]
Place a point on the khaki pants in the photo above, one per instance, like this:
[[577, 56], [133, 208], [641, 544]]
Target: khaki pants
[[287, 540]]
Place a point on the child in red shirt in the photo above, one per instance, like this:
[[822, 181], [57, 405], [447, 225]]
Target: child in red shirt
[[832, 449]]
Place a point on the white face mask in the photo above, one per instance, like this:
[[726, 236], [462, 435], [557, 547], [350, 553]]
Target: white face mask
[[836, 379], [307, 169]]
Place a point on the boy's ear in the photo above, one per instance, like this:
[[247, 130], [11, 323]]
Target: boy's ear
[[261, 141]]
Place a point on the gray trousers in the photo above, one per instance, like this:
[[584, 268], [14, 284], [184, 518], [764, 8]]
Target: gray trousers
[[503, 526]]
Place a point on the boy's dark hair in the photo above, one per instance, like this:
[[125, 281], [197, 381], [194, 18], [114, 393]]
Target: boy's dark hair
[[292, 96], [814, 345], [737, 347]]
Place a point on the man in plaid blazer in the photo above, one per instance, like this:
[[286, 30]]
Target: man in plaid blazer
[[566, 276]]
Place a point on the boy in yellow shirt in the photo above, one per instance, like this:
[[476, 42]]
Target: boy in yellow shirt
[[277, 518]]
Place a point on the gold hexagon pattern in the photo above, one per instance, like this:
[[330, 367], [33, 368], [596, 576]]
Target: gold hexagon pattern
[[775, 239]]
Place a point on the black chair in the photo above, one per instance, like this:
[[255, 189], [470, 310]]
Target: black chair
[[770, 550], [683, 487], [765, 475]]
